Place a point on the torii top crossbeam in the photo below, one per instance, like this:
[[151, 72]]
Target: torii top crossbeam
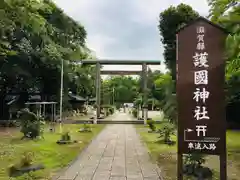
[[120, 62], [121, 72]]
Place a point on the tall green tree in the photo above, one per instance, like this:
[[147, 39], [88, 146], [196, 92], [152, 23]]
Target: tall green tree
[[123, 89], [170, 21], [35, 38], [227, 13], [164, 93]]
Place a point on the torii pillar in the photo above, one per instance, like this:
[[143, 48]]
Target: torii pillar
[[98, 90], [145, 92]]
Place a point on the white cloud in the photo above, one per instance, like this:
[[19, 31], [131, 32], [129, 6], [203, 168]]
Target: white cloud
[[199, 5], [123, 29], [148, 11], [98, 43]]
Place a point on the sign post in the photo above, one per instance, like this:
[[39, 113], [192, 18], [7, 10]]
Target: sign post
[[200, 92]]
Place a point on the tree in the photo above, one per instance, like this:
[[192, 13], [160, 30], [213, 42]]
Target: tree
[[35, 37], [170, 21], [165, 94], [227, 14], [219, 8], [121, 89], [31, 125]]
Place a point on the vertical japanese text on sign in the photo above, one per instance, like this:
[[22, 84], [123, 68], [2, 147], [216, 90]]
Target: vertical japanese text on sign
[[200, 91], [197, 63]]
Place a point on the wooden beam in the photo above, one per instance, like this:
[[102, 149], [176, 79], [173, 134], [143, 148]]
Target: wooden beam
[[103, 72], [98, 90], [119, 62]]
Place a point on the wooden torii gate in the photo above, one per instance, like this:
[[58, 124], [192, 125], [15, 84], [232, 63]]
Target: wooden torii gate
[[143, 73]]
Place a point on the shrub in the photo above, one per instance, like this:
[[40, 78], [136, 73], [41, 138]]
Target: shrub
[[107, 113], [32, 126], [27, 159], [86, 127], [24, 169], [95, 106], [12, 169], [151, 124], [66, 137], [193, 166], [166, 131], [118, 106], [195, 159], [111, 110], [134, 112], [85, 111]]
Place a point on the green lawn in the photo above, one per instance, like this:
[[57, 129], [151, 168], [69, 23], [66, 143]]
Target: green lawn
[[46, 151], [167, 159], [78, 117]]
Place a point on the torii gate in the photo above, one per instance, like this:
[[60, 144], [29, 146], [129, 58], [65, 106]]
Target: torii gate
[[144, 64]]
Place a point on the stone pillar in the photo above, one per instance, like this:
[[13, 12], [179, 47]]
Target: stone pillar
[[145, 92], [98, 90]]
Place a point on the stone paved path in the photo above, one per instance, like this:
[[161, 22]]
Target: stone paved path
[[116, 154]]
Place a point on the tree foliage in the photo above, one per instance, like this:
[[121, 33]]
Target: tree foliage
[[170, 21], [227, 13], [35, 37], [165, 94], [126, 89], [120, 89], [31, 124], [223, 12]]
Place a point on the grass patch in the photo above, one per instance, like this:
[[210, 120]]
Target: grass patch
[[167, 158], [53, 156], [78, 117]]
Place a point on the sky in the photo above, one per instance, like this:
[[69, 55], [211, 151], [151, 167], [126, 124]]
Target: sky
[[124, 29]]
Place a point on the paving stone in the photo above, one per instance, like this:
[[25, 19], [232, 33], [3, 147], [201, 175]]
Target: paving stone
[[105, 163], [110, 150], [118, 171], [102, 175], [151, 178], [118, 178], [116, 154], [71, 172], [135, 177], [84, 177], [87, 171]]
